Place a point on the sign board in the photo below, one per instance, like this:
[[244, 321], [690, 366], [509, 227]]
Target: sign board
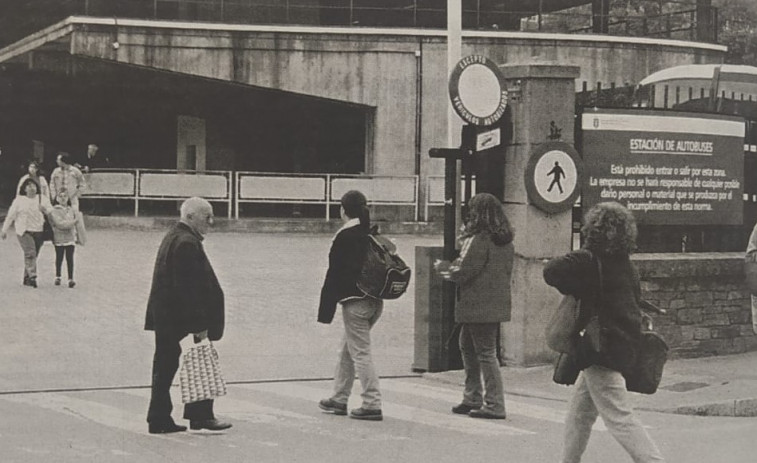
[[668, 168], [489, 139], [477, 90], [553, 176]]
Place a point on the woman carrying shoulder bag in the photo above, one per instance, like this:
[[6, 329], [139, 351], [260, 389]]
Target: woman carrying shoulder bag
[[482, 273], [609, 233]]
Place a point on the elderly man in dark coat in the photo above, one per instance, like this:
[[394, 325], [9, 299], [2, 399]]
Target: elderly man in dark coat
[[185, 298]]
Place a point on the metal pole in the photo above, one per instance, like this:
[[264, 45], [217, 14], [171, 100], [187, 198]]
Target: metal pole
[[454, 53]]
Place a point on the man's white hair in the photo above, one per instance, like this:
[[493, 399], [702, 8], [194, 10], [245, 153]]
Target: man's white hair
[[194, 205]]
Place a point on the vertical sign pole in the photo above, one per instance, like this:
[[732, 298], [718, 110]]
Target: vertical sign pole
[[451, 181], [454, 53]]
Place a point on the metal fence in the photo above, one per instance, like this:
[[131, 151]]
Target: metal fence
[[236, 188]]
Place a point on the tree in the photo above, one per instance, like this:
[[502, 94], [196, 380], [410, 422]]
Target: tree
[[738, 30]]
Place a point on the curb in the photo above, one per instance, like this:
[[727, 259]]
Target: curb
[[736, 408], [742, 408]]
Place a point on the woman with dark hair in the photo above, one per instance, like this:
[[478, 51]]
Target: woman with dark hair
[[34, 172], [359, 312], [482, 272], [26, 214], [609, 233]]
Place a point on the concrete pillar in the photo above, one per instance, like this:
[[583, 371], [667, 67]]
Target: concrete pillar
[[542, 99]]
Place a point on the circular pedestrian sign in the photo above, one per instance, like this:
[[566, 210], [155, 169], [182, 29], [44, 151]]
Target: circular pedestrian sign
[[477, 90], [552, 177]]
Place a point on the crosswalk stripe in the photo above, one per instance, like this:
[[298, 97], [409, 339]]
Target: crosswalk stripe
[[446, 395], [95, 412], [232, 407], [401, 412], [248, 411]]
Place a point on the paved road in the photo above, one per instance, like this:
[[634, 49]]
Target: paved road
[[280, 422], [92, 335], [70, 342]]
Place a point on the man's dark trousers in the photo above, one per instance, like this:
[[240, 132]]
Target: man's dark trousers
[[165, 363]]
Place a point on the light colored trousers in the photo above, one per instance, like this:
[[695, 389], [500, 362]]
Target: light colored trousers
[[478, 346], [602, 392], [359, 317], [754, 314]]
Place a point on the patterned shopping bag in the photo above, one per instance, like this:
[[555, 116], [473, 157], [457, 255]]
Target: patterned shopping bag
[[200, 374]]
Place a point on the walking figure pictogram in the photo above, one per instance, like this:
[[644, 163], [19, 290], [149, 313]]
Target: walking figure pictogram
[[557, 172]]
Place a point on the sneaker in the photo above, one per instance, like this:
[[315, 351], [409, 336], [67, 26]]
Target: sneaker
[[366, 414], [71, 283], [464, 409], [57, 281], [33, 282], [332, 406], [484, 413]]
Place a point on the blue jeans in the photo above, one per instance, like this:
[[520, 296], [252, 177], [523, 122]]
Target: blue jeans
[[478, 345], [601, 391], [359, 317]]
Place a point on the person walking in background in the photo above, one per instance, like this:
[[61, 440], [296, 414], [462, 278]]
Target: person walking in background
[[609, 232], [68, 177], [359, 312], [185, 298], [751, 250], [26, 215], [483, 273], [63, 219], [35, 173]]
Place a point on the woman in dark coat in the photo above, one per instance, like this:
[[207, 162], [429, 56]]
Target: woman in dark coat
[[609, 232], [482, 273], [359, 312]]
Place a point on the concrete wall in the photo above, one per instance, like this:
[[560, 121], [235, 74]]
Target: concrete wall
[[708, 305], [402, 74]]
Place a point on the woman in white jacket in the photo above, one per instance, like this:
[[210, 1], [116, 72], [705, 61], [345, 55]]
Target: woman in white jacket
[[27, 215]]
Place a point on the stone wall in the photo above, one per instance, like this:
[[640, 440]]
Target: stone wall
[[708, 305]]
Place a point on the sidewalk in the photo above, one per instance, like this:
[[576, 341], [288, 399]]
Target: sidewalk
[[711, 386]]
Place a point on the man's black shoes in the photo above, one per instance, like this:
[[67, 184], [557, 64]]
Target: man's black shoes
[[165, 428], [464, 409], [210, 425]]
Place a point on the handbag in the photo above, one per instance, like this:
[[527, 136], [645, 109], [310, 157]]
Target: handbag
[[646, 373], [566, 370], [750, 272], [200, 374], [562, 330], [47, 230]]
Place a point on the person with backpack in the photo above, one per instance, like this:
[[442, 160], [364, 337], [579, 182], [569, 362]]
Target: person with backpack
[[359, 312], [482, 273]]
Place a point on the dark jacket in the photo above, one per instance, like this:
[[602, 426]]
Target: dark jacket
[[483, 273], [345, 262], [577, 273], [185, 296]]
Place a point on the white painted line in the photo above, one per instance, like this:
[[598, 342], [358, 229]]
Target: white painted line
[[95, 412], [401, 412], [452, 397]]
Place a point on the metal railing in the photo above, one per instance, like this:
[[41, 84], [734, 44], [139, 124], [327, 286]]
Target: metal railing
[[675, 19], [236, 188], [324, 189], [158, 185]]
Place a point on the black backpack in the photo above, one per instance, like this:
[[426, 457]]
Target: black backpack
[[384, 274]]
